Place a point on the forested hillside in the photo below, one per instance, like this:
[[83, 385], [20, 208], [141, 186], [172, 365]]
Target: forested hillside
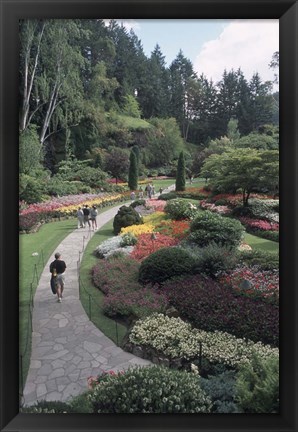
[[89, 94]]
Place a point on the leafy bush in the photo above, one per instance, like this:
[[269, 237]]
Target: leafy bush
[[257, 386], [138, 202], [164, 264], [126, 216], [268, 235], [261, 259], [180, 208], [215, 259], [168, 196], [210, 306], [207, 227], [176, 339], [221, 390], [128, 239], [152, 389], [31, 189], [48, 407]]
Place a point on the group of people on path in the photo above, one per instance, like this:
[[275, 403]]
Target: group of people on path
[[85, 215]]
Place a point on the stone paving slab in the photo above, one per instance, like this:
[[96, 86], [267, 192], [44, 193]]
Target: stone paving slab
[[66, 346]]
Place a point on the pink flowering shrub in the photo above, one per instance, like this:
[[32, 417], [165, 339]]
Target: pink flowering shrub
[[146, 245], [157, 205], [254, 283], [259, 224]]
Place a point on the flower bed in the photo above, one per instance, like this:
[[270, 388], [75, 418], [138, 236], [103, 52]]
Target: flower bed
[[259, 224], [220, 209], [254, 283], [176, 339], [173, 228], [146, 245], [138, 229], [211, 306]]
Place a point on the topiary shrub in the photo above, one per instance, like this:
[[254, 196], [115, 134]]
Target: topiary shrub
[[138, 202], [125, 217], [167, 196], [153, 389], [180, 208], [164, 264], [211, 227]]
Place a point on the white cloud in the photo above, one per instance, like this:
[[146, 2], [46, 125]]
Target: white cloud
[[244, 44], [129, 24]]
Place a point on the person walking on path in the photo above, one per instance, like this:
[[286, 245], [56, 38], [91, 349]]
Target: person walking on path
[[86, 212], [93, 215], [80, 216], [57, 268]]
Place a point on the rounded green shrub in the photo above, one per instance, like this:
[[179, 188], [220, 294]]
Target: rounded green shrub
[[126, 216], [180, 208], [215, 259], [167, 196], [211, 227], [166, 263], [138, 202], [262, 259], [153, 389]]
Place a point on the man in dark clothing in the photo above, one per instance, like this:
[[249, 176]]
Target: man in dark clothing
[[57, 268], [86, 212]]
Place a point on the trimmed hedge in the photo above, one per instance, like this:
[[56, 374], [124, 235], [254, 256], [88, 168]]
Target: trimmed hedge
[[211, 227], [164, 264]]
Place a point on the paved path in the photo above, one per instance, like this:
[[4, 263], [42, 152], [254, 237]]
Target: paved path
[[66, 347]]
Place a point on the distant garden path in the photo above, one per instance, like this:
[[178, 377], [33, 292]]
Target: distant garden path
[[67, 348]]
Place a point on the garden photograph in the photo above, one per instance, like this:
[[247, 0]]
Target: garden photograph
[[149, 189]]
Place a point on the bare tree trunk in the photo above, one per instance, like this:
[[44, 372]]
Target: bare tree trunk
[[29, 77]]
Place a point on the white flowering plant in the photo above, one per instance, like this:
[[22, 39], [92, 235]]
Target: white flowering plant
[[177, 339]]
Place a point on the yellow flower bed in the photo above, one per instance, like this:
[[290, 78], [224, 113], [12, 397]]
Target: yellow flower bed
[[155, 218], [138, 229], [70, 209]]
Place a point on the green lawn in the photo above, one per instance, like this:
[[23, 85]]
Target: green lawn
[[92, 297], [260, 243]]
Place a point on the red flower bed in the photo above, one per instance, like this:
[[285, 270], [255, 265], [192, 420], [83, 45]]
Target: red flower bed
[[157, 205], [259, 284], [177, 229], [259, 224], [146, 245], [210, 306]]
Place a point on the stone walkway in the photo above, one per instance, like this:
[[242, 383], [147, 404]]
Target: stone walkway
[[66, 347]]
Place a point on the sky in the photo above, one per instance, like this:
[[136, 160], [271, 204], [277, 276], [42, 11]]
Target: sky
[[213, 45]]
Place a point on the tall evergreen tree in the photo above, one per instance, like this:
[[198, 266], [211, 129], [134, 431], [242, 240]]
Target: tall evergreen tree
[[133, 171], [180, 176]]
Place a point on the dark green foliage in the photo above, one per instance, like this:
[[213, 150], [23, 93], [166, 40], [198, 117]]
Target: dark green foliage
[[269, 235], [262, 259], [137, 203], [207, 227], [133, 172], [126, 216], [215, 259], [221, 390], [180, 177], [56, 407], [257, 386], [31, 189], [153, 389], [168, 196], [166, 263]]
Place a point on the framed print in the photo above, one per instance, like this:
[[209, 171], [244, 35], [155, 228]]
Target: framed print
[[122, 104]]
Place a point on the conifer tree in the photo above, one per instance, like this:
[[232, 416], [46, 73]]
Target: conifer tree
[[180, 176], [133, 172]]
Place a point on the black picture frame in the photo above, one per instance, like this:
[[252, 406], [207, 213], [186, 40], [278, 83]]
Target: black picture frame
[[11, 11]]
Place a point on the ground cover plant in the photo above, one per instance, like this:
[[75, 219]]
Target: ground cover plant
[[211, 306], [117, 278]]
